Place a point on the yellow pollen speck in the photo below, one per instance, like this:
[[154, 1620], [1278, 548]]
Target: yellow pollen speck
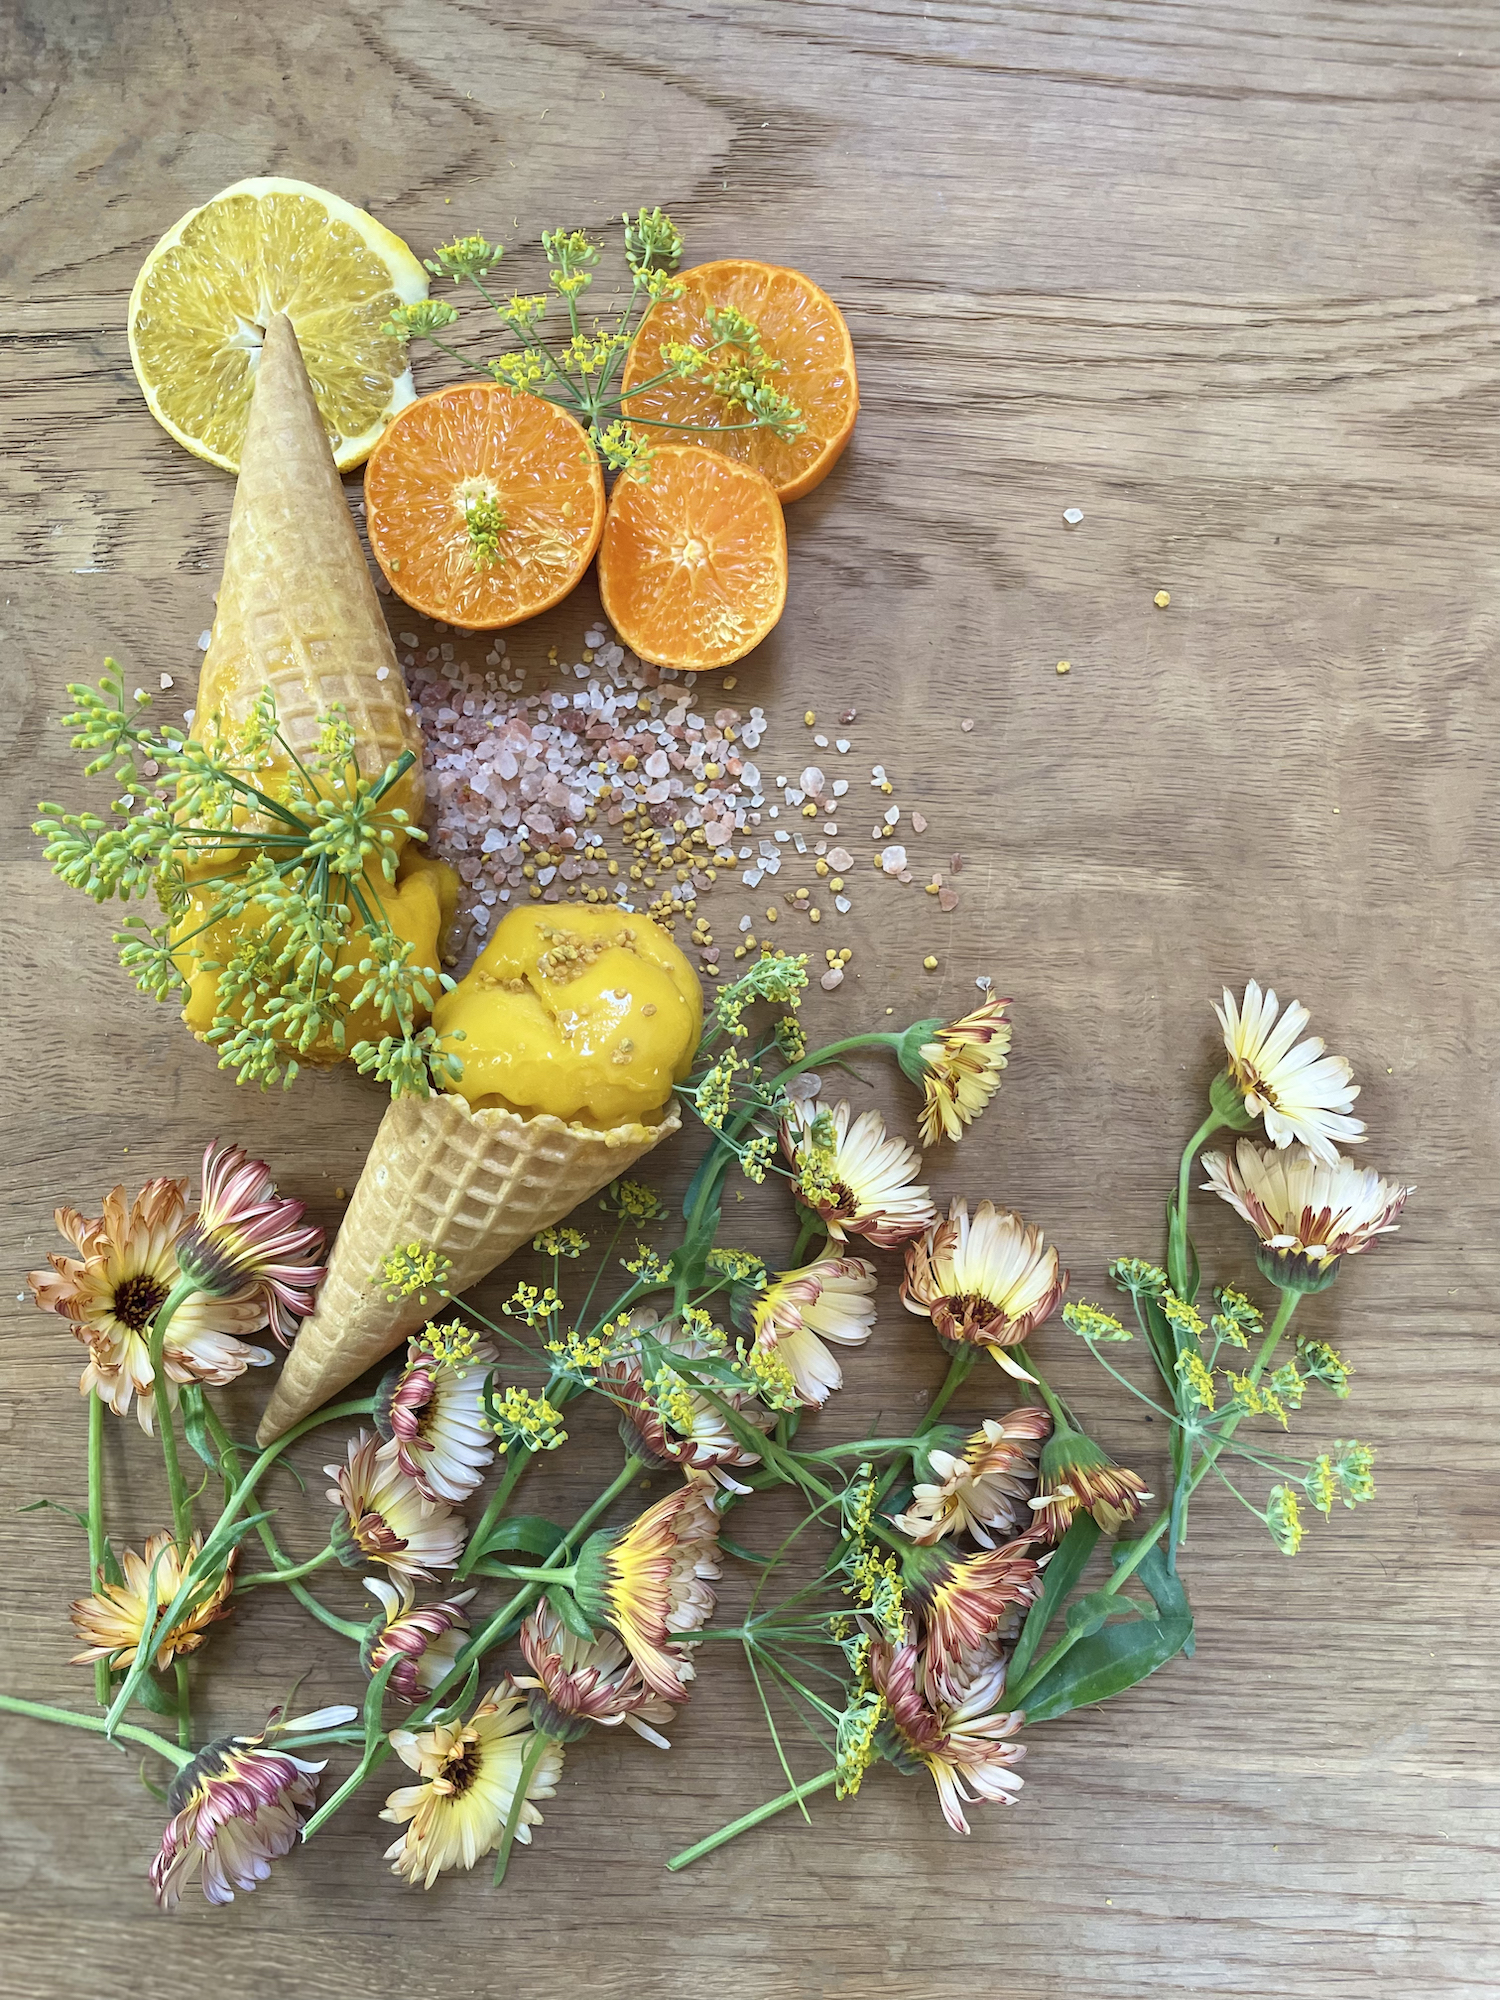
[[339, 1194], [932, 888], [1162, 599], [1065, 666], [816, 915], [930, 964], [836, 884], [729, 681], [770, 916]]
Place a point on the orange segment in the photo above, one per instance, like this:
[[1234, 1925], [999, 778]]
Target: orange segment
[[484, 506], [800, 326], [692, 568]]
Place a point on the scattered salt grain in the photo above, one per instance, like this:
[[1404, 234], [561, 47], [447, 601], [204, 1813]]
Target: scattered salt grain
[[843, 746], [842, 905], [203, 639], [832, 978], [967, 724], [1072, 515], [166, 680], [893, 860], [918, 823]]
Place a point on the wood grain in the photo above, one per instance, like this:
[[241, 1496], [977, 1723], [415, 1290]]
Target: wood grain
[[1224, 278]]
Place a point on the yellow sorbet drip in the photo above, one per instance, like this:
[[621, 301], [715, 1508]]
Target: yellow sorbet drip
[[590, 1014]]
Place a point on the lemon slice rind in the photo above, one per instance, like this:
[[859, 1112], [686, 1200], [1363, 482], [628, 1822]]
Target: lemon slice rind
[[349, 382]]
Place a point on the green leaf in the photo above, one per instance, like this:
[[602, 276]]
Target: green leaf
[[1058, 1578], [530, 1534], [1117, 1656], [565, 1604], [57, 1507], [452, 1710], [1087, 1615], [195, 1423], [154, 1694]]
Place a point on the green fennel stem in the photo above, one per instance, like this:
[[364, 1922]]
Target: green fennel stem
[[754, 1818], [1177, 1265], [327, 1555], [534, 1752]]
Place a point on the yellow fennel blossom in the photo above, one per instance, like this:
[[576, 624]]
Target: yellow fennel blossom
[[742, 1267], [414, 1273], [1326, 1365], [532, 1305], [758, 1157], [1346, 1473], [518, 1417], [855, 1748], [452, 1345], [1284, 1519], [774, 1382], [633, 1201], [560, 1242], [1238, 1320], [1093, 1323], [1193, 1372], [875, 1585], [1187, 1320], [580, 1354]]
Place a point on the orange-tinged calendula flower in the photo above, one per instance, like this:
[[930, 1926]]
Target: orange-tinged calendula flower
[[575, 1682], [426, 1637], [962, 1601], [432, 1412], [113, 1289], [965, 1743], [988, 1279], [985, 1491], [1077, 1474], [112, 1622], [1307, 1213], [958, 1064], [855, 1175], [655, 1579], [833, 1299], [247, 1238], [386, 1517]]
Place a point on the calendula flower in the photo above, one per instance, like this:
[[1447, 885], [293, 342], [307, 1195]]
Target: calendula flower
[[575, 1682], [1307, 1214], [988, 1281], [387, 1519], [655, 1579], [854, 1175], [962, 1602], [236, 1808], [469, 1772], [112, 1622], [964, 1743], [432, 1413], [246, 1236], [833, 1299], [1301, 1093], [425, 1637], [110, 1293], [669, 1420], [986, 1492], [958, 1064], [1076, 1473]]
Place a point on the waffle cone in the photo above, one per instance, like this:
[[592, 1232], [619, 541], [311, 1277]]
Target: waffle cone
[[471, 1185], [297, 611]]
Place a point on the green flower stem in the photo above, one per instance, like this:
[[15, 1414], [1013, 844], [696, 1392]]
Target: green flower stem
[[747, 1820], [812, 1225], [496, 1630], [1177, 1262], [534, 1753], [1127, 1568], [1057, 1409], [517, 1458], [522, 1572], [230, 1469], [166, 1421], [40, 1711], [184, 1704], [96, 1527], [210, 1554], [328, 1555]]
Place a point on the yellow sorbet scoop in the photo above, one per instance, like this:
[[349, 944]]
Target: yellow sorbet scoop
[[588, 1013]]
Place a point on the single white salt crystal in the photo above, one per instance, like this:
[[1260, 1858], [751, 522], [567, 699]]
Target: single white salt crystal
[[842, 905], [840, 786], [842, 745], [203, 639], [493, 839], [893, 859]]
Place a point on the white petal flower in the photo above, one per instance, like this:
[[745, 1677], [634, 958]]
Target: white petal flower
[[1302, 1094]]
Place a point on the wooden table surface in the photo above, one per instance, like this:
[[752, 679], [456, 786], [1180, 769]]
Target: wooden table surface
[[1224, 278]]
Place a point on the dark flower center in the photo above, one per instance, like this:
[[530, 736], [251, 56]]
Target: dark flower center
[[138, 1300], [464, 1769]]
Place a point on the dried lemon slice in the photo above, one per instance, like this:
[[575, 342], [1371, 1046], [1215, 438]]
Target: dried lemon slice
[[200, 306]]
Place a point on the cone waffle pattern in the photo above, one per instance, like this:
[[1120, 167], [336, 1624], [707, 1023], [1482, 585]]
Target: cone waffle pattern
[[472, 1185], [297, 611]]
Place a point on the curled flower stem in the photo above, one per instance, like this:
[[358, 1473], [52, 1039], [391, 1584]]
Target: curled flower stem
[[229, 1461], [96, 1527], [328, 1555], [497, 1629], [747, 1820], [1177, 1244], [41, 1711]]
